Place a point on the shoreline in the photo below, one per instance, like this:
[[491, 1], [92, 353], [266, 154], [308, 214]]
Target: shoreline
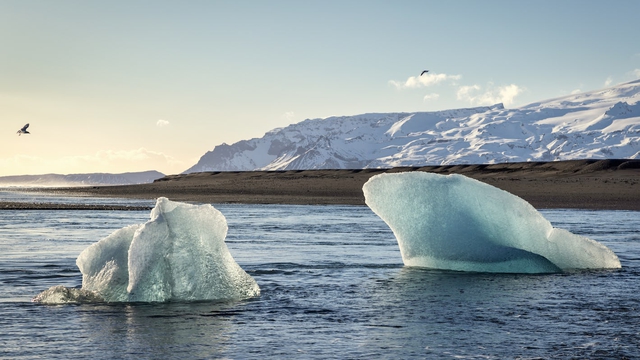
[[15, 205], [575, 184]]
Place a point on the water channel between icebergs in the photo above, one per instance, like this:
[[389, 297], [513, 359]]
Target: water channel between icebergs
[[332, 285]]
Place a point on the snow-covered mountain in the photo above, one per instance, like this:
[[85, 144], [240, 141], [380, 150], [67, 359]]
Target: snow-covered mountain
[[57, 180], [592, 125]]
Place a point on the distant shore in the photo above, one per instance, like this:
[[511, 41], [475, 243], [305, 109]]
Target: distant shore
[[580, 184]]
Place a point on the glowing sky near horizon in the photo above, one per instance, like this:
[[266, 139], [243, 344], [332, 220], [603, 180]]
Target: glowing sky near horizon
[[118, 86]]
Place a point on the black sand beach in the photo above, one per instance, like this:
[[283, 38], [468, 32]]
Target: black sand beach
[[580, 184]]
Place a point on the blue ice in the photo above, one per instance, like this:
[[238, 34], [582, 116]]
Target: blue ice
[[178, 255], [457, 223]]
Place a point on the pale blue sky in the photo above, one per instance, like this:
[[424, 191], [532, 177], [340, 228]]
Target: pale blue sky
[[115, 86]]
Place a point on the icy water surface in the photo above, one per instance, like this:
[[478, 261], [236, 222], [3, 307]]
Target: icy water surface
[[333, 286]]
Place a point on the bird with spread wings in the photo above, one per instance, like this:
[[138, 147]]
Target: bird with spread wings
[[23, 130]]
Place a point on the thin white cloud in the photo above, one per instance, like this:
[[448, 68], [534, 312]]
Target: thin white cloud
[[162, 123], [636, 73], [465, 92], [476, 95], [289, 115], [576, 91], [425, 80], [608, 82], [432, 96]]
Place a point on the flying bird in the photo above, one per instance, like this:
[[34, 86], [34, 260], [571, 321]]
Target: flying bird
[[23, 130], [424, 72]]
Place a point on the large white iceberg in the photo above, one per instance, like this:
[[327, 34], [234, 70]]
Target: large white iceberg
[[178, 255], [457, 223]]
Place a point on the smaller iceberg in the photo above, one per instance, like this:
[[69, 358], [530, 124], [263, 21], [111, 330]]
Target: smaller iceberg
[[457, 223], [178, 255]]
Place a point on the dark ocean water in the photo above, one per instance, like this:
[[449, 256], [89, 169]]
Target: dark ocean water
[[333, 286]]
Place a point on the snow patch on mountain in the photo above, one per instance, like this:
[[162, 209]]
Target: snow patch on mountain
[[592, 125]]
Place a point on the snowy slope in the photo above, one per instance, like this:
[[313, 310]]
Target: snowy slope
[[58, 180], [592, 125]]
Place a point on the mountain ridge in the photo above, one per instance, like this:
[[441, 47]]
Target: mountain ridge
[[88, 179], [600, 124]]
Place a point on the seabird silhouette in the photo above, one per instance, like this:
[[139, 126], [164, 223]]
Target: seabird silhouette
[[23, 130], [423, 72]]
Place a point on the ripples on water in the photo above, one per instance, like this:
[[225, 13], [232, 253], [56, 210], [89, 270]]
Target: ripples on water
[[333, 286]]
